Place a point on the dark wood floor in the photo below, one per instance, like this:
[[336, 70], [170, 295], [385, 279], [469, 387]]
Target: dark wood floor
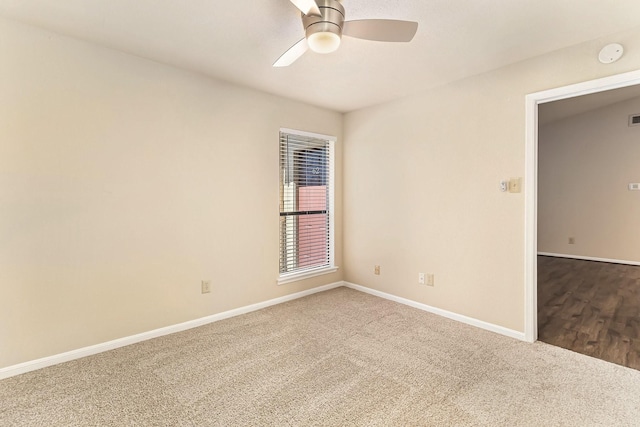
[[590, 307]]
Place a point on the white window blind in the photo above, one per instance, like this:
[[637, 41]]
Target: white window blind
[[306, 188]]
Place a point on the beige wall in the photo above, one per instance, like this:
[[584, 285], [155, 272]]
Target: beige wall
[[123, 184], [585, 165], [421, 185]]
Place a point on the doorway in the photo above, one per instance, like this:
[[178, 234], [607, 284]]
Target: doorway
[[533, 101], [588, 269]]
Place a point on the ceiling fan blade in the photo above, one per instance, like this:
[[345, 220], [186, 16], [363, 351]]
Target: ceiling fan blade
[[382, 30], [308, 7], [291, 55]]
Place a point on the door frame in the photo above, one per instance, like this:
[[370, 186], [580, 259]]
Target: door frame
[[531, 179]]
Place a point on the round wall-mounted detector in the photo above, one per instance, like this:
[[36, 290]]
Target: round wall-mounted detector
[[611, 53]]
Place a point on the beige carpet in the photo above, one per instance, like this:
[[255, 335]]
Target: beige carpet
[[338, 358]]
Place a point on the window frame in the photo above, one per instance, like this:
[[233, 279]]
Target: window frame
[[331, 267]]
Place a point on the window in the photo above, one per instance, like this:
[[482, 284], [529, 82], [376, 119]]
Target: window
[[306, 205]]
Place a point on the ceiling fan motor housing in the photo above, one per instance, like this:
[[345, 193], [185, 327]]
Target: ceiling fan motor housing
[[331, 21]]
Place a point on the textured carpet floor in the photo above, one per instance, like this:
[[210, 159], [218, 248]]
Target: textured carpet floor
[[337, 358]]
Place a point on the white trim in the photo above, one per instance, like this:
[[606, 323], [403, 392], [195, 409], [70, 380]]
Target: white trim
[[332, 203], [444, 313], [33, 365], [585, 88], [531, 178], [306, 274], [44, 362], [296, 275], [309, 134], [590, 258], [531, 222]]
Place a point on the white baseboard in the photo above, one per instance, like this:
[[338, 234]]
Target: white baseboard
[[33, 365], [590, 258], [444, 313]]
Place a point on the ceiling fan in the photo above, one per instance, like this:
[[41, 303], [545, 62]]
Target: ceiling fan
[[324, 25]]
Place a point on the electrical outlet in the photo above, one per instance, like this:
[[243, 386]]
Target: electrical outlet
[[206, 286], [515, 185], [572, 240], [376, 270], [430, 280], [421, 278]]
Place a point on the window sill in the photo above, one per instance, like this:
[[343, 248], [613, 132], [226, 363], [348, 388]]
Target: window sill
[[307, 274]]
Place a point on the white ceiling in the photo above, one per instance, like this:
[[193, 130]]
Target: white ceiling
[[238, 40]]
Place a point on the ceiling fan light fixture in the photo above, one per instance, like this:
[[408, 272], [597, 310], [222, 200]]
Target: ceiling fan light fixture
[[324, 29], [323, 42]]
